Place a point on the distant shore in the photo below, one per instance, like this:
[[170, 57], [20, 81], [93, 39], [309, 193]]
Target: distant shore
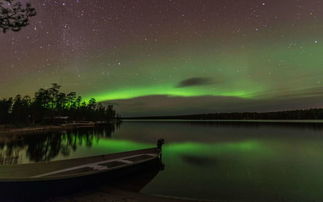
[[301, 114], [225, 121]]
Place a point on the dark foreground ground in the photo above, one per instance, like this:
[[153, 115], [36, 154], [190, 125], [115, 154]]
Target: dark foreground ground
[[112, 195]]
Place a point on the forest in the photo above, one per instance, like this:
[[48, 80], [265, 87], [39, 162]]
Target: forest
[[50, 104], [302, 114]]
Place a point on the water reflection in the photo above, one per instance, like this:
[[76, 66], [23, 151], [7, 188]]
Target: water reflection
[[235, 161], [45, 147], [199, 160], [217, 161]]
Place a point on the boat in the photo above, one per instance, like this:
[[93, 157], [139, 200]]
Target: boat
[[66, 176]]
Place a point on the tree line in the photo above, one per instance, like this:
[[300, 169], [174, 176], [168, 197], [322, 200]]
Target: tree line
[[49, 104], [305, 114]]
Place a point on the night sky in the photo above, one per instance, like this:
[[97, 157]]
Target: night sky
[[166, 57]]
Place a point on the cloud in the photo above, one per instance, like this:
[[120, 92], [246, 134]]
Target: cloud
[[195, 81]]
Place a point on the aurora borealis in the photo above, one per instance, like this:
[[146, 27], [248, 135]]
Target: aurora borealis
[[170, 57]]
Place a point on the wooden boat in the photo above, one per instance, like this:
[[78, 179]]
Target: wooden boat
[[60, 177]]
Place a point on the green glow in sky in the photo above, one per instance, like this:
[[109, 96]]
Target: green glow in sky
[[254, 71], [169, 91], [250, 69]]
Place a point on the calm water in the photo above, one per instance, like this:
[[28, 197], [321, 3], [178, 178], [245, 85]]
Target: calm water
[[204, 160]]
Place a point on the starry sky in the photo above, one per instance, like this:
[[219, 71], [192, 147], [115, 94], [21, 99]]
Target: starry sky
[[168, 57]]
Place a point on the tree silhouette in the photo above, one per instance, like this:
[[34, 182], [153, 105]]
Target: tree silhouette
[[14, 15], [50, 104]]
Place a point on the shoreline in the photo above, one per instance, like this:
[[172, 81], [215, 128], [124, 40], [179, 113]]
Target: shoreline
[[48, 128], [318, 121], [6, 131]]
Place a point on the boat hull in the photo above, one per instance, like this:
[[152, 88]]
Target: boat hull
[[55, 187], [50, 179]]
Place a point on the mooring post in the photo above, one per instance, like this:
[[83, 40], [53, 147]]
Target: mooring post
[[160, 143]]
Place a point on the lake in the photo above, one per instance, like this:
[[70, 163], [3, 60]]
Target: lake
[[245, 161]]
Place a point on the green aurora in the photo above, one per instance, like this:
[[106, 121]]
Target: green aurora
[[266, 70], [251, 57]]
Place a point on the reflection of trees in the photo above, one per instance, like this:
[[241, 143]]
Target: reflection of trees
[[44, 147], [9, 157]]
